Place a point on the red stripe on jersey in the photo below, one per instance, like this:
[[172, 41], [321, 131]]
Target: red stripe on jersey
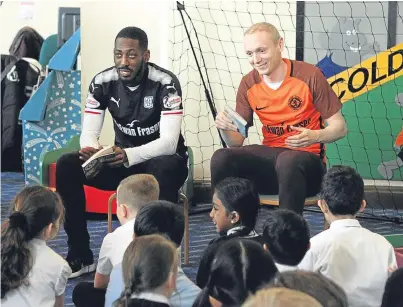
[[92, 112], [172, 112]]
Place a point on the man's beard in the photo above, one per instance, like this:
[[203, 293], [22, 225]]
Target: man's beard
[[137, 79]]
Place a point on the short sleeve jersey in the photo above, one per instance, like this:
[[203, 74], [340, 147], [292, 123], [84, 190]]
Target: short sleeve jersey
[[304, 99], [136, 112]]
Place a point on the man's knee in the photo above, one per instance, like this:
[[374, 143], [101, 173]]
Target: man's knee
[[220, 158], [289, 161], [68, 160], [166, 167]]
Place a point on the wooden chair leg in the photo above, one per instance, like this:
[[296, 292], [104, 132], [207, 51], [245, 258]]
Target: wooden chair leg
[[110, 202], [186, 236]]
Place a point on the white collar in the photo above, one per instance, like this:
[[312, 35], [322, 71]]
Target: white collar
[[129, 223], [151, 296], [252, 234], [344, 223], [285, 268]]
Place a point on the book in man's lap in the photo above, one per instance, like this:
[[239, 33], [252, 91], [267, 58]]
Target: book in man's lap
[[94, 165]]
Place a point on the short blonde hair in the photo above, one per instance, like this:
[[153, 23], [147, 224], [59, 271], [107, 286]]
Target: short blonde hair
[[266, 27], [281, 297], [138, 190]]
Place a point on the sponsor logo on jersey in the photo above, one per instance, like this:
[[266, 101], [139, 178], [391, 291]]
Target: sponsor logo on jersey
[[132, 123], [172, 102], [92, 104], [280, 130], [115, 101], [139, 131], [148, 102]]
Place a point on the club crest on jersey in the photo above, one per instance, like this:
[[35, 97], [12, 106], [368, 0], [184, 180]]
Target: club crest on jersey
[[295, 102], [148, 102]]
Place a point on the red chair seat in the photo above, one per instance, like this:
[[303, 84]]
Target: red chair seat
[[96, 200]]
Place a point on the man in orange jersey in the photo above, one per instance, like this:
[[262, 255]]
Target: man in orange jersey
[[293, 100]]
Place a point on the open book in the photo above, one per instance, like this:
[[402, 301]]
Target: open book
[[94, 165], [237, 120]]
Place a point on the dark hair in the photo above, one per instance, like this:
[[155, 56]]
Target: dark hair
[[160, 217], [342, 190], [240, 195], [286, 235], [134, 33], [240, 267], [34, 208], [324, 290], [147, 264], [393, 295]]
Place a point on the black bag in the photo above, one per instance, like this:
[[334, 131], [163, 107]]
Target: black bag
[[18, 78]]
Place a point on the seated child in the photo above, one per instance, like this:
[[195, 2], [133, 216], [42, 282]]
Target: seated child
[[150, 266], [281, 297], [236, 205], [325, 291], [133, 193], [239, 268], [286, 237], [32, 274], [165, 218], [393, 295], [355, 258]]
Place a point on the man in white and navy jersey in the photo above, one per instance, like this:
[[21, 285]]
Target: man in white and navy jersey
[[146, 106]]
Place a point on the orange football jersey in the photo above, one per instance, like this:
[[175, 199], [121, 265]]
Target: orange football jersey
[[304, 99]]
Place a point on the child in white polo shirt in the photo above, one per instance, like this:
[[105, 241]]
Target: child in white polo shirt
[[355, 258], [32, 274], [286, 238], [133, 193]]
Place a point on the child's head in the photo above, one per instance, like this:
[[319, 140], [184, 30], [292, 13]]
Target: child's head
[[325, 291], [235, 203], [342, 192], [37, 213], [240, 268], [286, 237], [393, 295], [133, 193], [160, 217], [281, 297], [150, 264]]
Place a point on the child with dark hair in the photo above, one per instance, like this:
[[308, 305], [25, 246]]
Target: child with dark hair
[[355, 258], [236, 205], [150, 266], [393, 295], [240, 268], [32, 274], [166, 219], [325, 291], [286, 237]]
